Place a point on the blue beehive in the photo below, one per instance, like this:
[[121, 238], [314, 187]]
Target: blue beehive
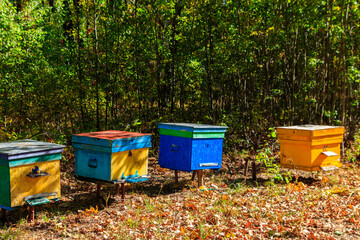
[[111, 155], [189, 147]]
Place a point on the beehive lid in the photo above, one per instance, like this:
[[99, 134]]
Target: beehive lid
[[310, 130], [111, 138], [27, 148], [192, 127]]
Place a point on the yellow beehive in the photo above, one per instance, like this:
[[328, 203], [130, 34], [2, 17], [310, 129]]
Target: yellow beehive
[[310, 147]]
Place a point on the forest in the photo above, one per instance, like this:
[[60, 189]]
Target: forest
[[75, 66]]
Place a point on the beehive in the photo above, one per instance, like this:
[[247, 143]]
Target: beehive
[[29, 172], [111, 155], [310, 147], [189, 147]]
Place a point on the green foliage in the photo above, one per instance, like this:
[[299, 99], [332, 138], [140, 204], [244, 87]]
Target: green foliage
[[266, 157], [95, 65], [353, 152]]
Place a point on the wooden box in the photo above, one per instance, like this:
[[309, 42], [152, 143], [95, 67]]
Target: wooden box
[[189, 147], [310, 147], [29, 170], [111, 155]]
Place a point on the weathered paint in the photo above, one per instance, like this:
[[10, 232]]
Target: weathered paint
[[129, 163], [112, 138], [105, 155], [92, 164], [302, 146], [188, 134], [5, 186], [30, 160], [27, 148], [113, 149], [22, 186]]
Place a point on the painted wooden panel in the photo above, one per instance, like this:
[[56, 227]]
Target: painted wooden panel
[[4, 186], [309, 131], [92, 164], [187, 134], [22, 185], [109, 155], [113, 149], [27, 148], [189, 147], [302, 147], [128, 163], [111, 138], [43, 158], [192, 127], [206, 154], [175, 153], [187, 154]]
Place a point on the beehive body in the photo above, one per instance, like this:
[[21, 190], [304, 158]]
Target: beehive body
[[189, 147], [303, 147], [111, 155], [18, 159]]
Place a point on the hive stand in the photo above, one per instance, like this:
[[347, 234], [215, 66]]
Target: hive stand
[[253, 166], [198, 173], [3, 215], [116, 183], [31, 202]]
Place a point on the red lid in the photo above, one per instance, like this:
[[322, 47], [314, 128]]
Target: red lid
[[113, 134]]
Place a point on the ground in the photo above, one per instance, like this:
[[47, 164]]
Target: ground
[[321, 205]]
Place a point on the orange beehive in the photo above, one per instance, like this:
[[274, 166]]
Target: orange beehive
[[310, 147]]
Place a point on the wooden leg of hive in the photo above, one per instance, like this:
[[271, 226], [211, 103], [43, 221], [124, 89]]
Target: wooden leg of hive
[[117, 189], [123, 192], [98, 190], [246, 167], [254, 169], [31, 213], [193, 175], [3, 215], [176, 176], [200, 178]]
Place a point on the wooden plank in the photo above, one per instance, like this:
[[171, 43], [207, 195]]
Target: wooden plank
[[123, 192], [31, 213], [187, 134], [111, 149], [5, 186], [310, 130], [176, 176], [254, 169], [97, 181], [37, 159], [200, 174], [27, 148], [246, 167], [176, 133], [128, 163], [192, 127], [21, 185], [111, 138]]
